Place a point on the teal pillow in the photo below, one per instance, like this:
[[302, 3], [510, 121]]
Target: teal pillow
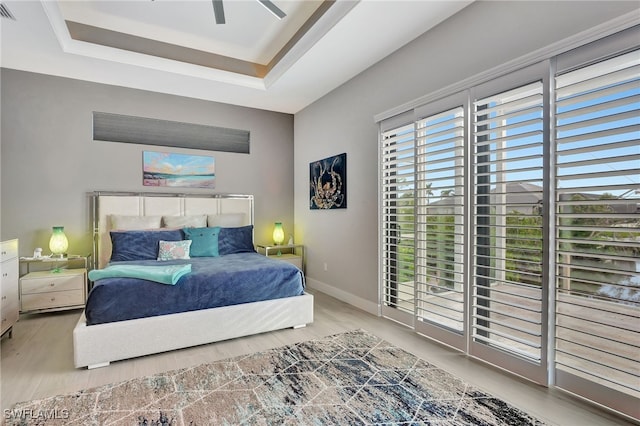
[[204, 241]]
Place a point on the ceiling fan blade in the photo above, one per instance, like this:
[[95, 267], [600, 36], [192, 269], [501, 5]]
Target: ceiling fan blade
[[218, 11], [268, 4]]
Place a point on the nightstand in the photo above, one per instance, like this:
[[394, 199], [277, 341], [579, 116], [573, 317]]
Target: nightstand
[[292, 253], [42, 263], [46, 291]]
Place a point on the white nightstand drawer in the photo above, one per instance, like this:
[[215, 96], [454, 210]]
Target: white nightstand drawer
[[44, 282], [54, 299], [291, 253], [290, 258], [49, 291]]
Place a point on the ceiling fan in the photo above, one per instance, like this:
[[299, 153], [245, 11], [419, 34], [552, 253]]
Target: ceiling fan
[[218, 10]]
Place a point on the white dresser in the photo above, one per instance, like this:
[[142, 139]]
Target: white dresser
[[9, 285]]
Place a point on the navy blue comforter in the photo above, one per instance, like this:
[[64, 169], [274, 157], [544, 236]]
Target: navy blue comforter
[[214, 281]]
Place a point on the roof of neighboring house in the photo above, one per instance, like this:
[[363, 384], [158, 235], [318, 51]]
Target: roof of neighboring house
[[524, 196]]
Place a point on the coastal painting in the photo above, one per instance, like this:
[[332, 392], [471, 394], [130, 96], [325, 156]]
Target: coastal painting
[[178, 170]]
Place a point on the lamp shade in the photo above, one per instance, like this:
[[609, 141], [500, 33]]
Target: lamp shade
[[58, 244], [278, 233]]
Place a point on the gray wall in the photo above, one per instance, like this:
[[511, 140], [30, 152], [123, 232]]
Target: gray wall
[[479, 38], [49, 160]]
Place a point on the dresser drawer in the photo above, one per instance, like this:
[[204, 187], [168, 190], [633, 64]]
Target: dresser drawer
[[44, 282], [9, 270], [7, 304], [54, 299], [9, 282], [9, 275], [8, 250], [8, 312]]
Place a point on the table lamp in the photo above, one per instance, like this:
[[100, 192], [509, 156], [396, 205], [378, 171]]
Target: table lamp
[[58, 244], [278, 235]]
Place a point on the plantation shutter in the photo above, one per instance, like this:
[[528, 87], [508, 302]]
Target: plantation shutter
[[440, 234], [397, 222], [507, 301], [598, 231]]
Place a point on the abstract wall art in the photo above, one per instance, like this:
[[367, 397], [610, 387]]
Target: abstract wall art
[[328, 183]]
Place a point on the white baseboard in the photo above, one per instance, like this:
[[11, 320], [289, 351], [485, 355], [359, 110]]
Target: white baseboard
[[358, 302]]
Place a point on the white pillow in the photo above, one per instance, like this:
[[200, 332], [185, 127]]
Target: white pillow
[[227, 220], [170, 250], [135, 222], [187, 221]]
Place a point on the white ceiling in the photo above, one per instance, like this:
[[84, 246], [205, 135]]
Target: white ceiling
[[350, 37]]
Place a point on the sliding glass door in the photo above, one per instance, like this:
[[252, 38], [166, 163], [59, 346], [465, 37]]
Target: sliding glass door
[[511, 221], [441, 220], [398, 218], [508, 317], [598, 231]]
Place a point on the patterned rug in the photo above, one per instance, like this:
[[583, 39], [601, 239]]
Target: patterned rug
[[352, 378]]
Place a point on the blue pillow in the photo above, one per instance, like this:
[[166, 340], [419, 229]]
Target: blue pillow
[[236, 240], [204, 241], [140, 245]]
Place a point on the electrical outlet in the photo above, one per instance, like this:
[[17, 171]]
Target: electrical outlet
[[325, 266]]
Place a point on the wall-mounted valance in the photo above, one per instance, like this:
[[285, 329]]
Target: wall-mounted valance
[[150, 131]]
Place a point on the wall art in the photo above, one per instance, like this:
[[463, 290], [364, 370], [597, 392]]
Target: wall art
[[178, 170], [328, 183]]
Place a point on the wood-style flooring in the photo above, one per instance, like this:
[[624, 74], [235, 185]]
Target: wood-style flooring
[[37, 361]]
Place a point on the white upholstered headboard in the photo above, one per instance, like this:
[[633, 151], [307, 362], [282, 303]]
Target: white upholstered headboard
[[105, 204]]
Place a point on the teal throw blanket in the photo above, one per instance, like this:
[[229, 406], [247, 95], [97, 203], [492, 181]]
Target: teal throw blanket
[[166, 274]]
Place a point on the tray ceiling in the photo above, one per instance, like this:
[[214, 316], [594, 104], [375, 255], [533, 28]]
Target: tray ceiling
[[254, 59]]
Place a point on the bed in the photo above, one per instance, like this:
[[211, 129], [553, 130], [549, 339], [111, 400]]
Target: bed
[[236, 292]]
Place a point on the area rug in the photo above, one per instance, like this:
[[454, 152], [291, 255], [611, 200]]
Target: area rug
[[352, 378]]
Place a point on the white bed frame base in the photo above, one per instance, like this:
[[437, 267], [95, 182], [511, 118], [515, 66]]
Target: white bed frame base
[[98, 345]]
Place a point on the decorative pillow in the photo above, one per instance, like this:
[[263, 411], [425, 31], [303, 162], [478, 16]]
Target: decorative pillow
[[140, 245], [135, 222], [228, 220], [204, 241], [236, 240], [171, 250], [190, 221]]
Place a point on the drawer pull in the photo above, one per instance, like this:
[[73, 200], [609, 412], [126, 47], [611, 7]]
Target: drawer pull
[[4, 297], [52, 284], [53, 299], [6, 274]]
